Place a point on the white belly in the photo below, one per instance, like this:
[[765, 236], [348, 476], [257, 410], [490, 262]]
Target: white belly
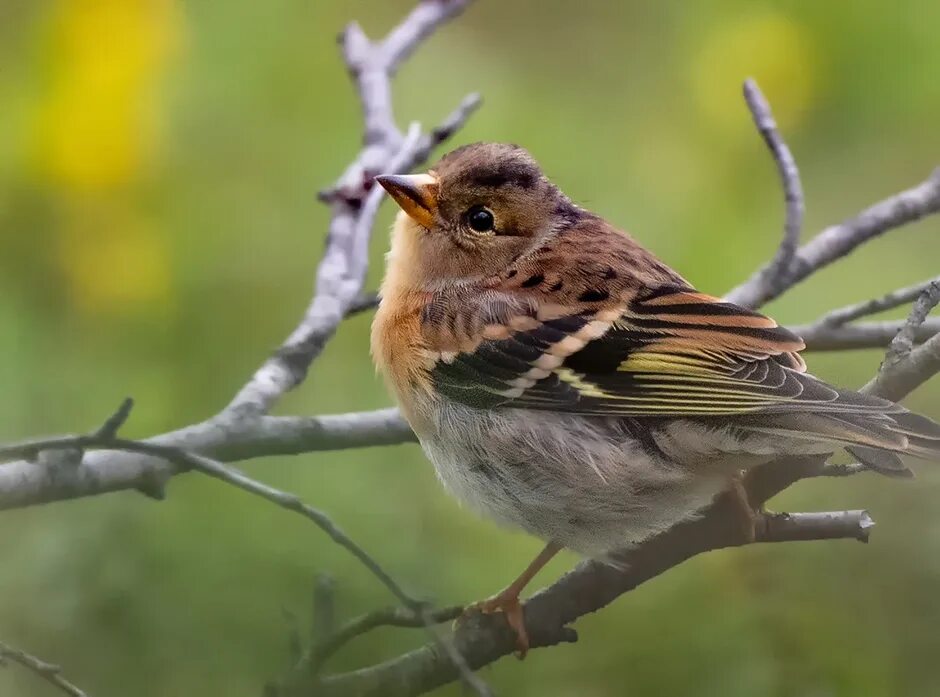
[[584, 482]]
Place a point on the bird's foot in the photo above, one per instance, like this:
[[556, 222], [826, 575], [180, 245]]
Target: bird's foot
[[506, 602], [742, 504]]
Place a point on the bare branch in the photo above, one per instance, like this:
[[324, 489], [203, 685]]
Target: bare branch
[[897, 379], [821, 337], [114, 422], [106, 437], [26, 482], [418, 26], [354, 199], [448, 127], [840, 240], [903, 343], [385, 617], [894, 299], [773, 277], [185, 460], [781, 527], [323, 622], [482, 639], [47, 671]]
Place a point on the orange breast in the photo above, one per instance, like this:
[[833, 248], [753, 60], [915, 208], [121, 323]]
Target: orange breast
[[401, 354]]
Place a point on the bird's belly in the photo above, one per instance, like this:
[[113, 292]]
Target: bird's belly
[[589, 483]]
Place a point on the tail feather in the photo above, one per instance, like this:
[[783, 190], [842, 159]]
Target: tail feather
[[882, 461], [875, 438]]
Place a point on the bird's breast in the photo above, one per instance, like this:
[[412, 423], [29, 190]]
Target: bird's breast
[[401, 355]]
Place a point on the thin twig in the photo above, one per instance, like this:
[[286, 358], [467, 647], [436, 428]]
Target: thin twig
[[188, 460], [840, 240], [889, 301], [821, 337], [385, 617], [354, 200], [47, 671], [105, 437], [775, 275], [903, 343], [323, 622]]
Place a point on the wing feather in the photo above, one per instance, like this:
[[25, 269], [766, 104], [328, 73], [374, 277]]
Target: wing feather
[[671, 352]]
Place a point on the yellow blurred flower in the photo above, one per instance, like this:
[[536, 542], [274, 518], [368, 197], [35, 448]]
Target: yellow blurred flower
[[114, 263], [95, 134], [97, 124], [767, 46]]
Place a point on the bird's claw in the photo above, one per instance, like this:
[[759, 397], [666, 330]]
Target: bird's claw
[[510, 606]]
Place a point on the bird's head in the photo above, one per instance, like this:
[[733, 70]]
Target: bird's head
[[479, 208]]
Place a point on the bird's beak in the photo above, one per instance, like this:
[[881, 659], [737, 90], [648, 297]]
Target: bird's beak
[[415, 193]]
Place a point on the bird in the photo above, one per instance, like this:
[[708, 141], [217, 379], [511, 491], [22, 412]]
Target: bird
[[565, 381]]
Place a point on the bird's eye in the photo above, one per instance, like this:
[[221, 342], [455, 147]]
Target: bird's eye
[[480, 219]]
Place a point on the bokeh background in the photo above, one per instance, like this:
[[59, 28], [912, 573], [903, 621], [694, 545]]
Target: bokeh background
[[158, 236]]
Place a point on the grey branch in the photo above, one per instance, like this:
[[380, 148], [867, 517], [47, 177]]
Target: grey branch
[[106, 438], [906, 367], [243, 428], [783, 527], [822, 337], [775, 275], [891, 300], [590, 586], [385, 617], [26, 482], [354, 199], [902, 344], [837, 241], [47, 671]]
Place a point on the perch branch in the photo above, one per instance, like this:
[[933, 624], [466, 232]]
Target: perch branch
[[47, 671], [482, 639]]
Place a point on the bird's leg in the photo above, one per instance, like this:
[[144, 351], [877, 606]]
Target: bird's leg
[[742, 504], [507, 600]]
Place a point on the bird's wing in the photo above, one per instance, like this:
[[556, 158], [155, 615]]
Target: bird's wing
[[670, 352]]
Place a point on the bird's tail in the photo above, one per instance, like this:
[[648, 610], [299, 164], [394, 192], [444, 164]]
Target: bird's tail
[[873, 430]]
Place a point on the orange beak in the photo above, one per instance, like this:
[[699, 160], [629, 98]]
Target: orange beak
[[416, 194]]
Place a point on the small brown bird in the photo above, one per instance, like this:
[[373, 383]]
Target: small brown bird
[[564, 380]]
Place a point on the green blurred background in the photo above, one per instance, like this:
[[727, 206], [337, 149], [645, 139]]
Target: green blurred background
[[158, 236]]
